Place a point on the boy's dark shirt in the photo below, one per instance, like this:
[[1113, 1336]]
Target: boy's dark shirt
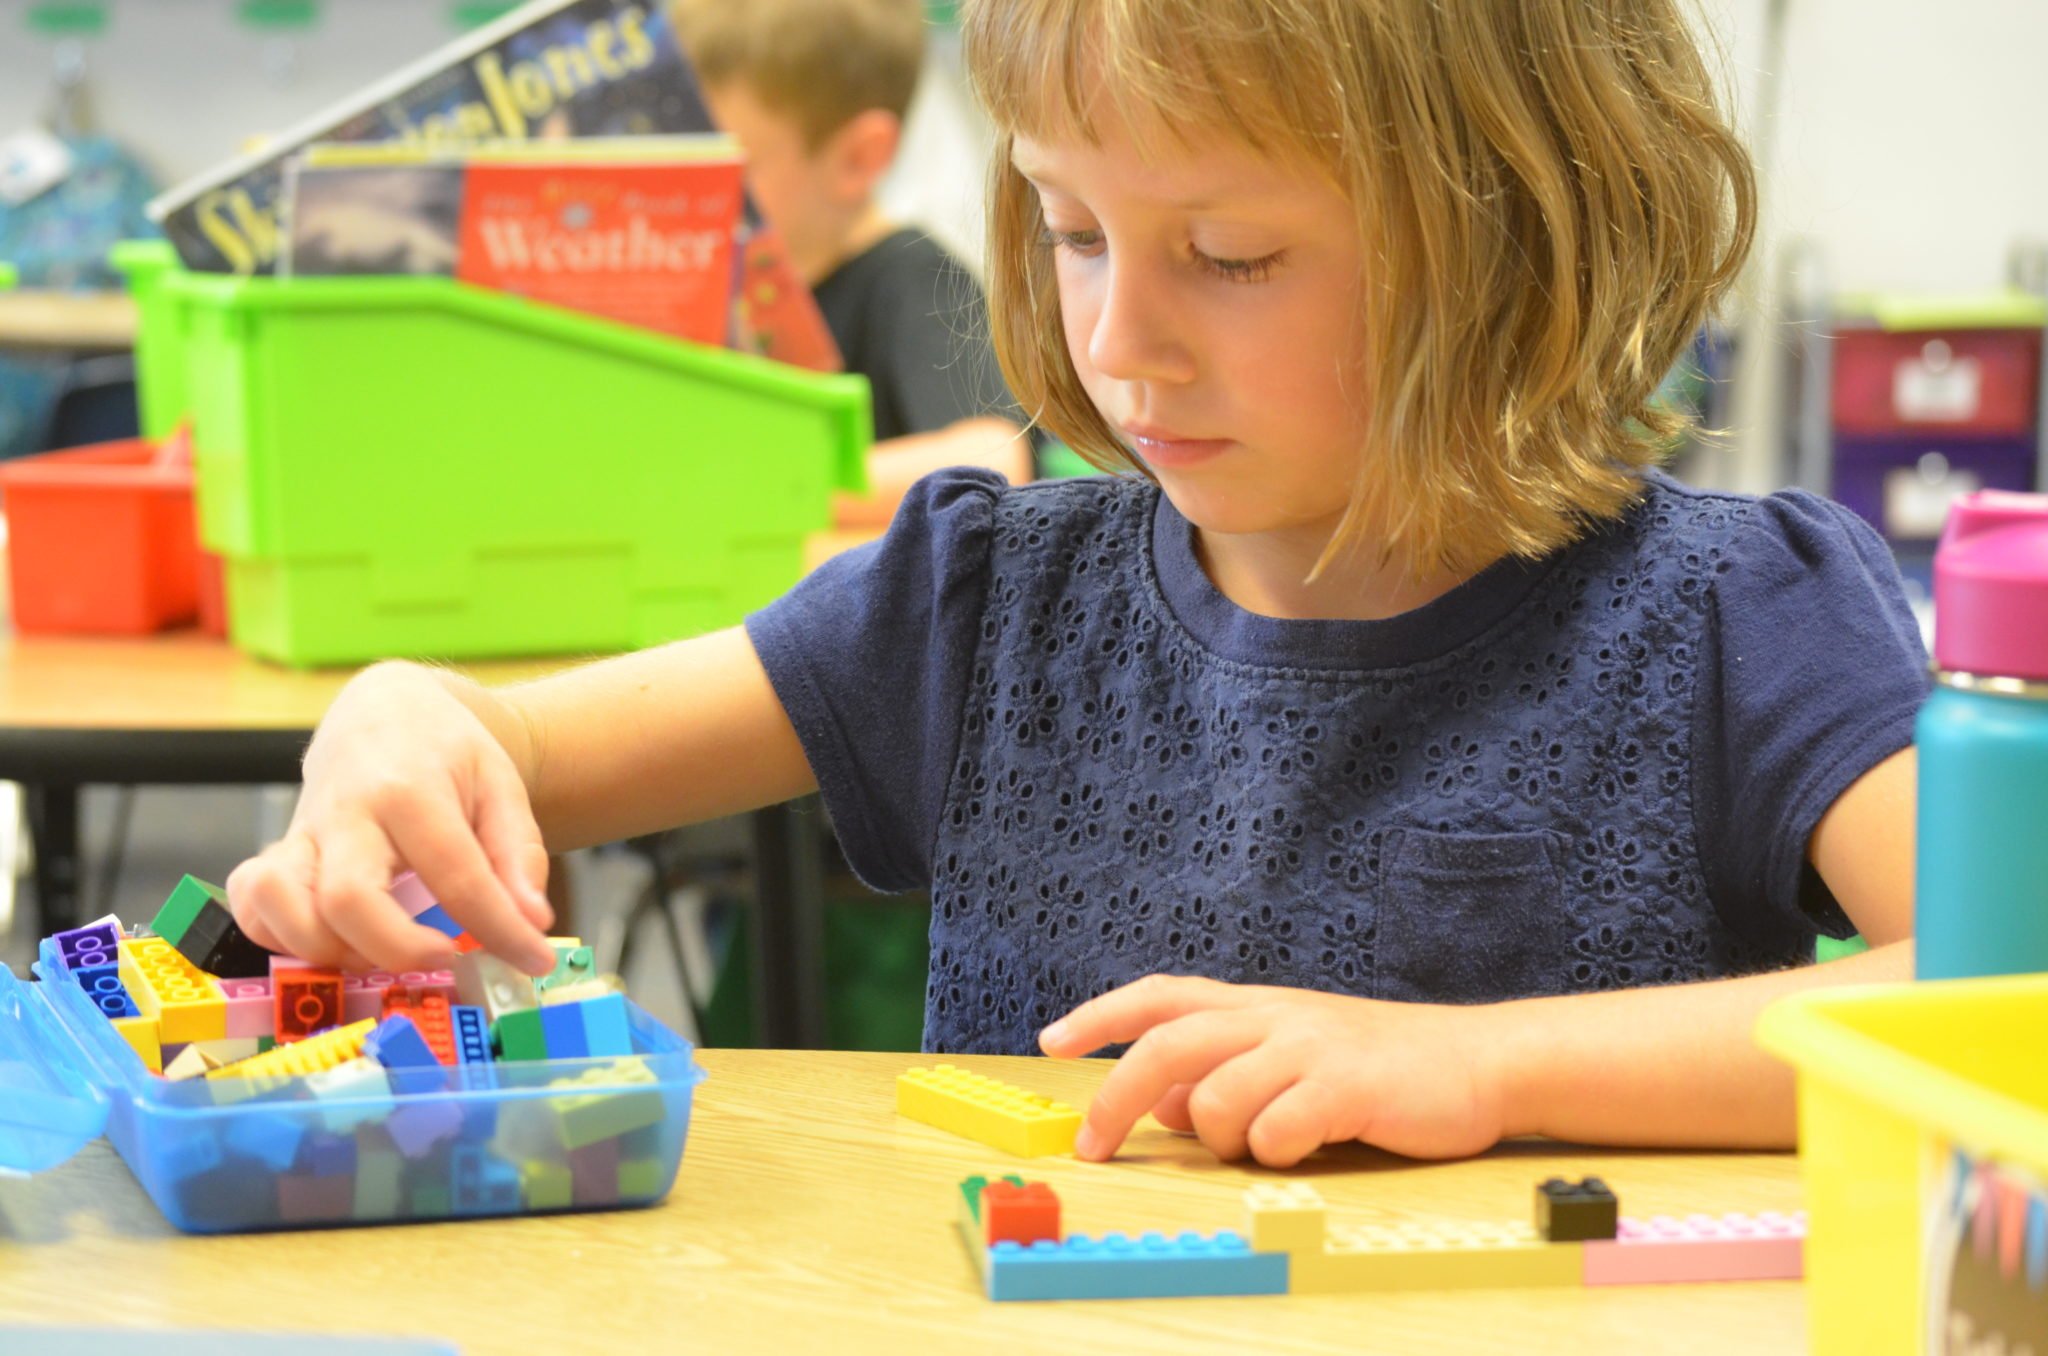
[[914, 322]]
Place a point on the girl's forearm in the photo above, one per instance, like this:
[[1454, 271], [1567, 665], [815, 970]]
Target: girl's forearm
[[1673, 1066]]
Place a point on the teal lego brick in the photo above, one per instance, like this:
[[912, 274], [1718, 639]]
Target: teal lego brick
[[1152, 1266]]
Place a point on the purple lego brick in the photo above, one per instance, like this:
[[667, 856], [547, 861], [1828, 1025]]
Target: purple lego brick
[[90, 946], [1665, 1250], [417, 1126]]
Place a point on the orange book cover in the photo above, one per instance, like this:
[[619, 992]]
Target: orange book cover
[[645, 244]]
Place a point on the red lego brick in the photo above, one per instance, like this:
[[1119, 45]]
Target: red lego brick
[[1020, 1214], [306, 1001], [429, 1012]]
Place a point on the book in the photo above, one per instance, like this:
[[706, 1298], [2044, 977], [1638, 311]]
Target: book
[[551, 70], [639, 230]]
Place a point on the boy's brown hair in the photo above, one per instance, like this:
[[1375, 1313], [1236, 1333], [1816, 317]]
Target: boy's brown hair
[[821, 62], [1548, 194]]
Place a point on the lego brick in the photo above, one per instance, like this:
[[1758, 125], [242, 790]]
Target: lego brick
[[412, 894], [91, 946], [607, 1114], [191, 1061], [306, 1000], [1441, 1256], [429, 1012], [396, 1043], [270, 1138], [575, 963], [143, 1037], [1665, 1250], [327, 1154], [594, 1173], [260, 1073], [227, 1049], [189, 1149], [351, 1092], [102, 984], [484, 981], [248, 1008], [1149, 1267], [1285, 1217], [195, 919], [436, 917], [561, 1026], [607, 1030], [1576, 1212], [428, 1200], [987, 1110], [520, 1035], [547, 1184], [643, 1179], [577, 992], [376, 1190], [481, 1183], [315, 1200], [472, 1035], [362, 996], [1019, 1214], [416, 1126], [186, 1003]]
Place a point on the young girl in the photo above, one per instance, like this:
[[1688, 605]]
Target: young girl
[[1468, 777]]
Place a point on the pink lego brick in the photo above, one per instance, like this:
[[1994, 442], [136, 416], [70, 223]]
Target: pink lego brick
[[307, 1200], [594, 1172], [250, 1008], [1664, 1250]]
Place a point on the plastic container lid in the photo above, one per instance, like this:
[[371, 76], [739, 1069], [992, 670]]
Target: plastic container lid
[[48, 1109], [1991, 586]]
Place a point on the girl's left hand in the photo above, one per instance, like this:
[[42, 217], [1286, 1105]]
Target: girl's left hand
[[1278, 1073]]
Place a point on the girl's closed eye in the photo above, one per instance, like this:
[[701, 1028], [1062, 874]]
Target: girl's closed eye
[[1089, 244]]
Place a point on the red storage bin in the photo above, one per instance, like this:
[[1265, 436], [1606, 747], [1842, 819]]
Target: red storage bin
[[1977, 382], [101, 540]]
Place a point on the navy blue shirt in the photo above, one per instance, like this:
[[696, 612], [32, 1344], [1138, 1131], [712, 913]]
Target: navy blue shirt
[[1596, 770]]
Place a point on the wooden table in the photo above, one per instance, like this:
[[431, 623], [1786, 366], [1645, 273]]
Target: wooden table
[[185, 708], [808, 1219], [67, 320]]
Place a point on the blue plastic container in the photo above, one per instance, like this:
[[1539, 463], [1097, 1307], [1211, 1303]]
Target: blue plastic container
[[1981, 888], [499, 1139]]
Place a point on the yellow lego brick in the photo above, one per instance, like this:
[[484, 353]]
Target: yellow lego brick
[[143, 1034], [1435, 1257], [187, 1004], [314, 1054], [610, 1113], [987, 1110], [1285, 1217]]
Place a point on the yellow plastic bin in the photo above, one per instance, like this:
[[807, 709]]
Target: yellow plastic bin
[[1923, 1139]]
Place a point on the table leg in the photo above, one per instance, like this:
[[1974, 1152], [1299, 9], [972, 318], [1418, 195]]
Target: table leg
[[53, 830], [789, 927]]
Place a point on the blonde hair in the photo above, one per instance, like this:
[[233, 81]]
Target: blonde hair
[[822, 62], [1549, 199]]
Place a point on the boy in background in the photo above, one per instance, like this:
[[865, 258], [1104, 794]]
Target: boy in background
[[815, 92]]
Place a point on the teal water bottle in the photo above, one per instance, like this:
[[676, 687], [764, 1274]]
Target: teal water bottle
[[1981, 887]]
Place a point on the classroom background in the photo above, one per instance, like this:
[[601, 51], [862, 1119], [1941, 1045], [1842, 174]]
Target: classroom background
[[1894, 141]]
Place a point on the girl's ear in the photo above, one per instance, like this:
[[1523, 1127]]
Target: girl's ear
[[862, 151]]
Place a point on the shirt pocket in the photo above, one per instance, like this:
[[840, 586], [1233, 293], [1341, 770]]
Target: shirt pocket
[[1471, 917]]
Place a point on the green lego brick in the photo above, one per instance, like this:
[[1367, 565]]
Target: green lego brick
[[641, 1177], [378, 1171], [574, 963], [520, 1035], [184, 905], [612, 1112], [430, 1200], [546, 1184]]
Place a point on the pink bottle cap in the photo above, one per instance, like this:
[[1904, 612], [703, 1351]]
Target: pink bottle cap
[[1991, 586]]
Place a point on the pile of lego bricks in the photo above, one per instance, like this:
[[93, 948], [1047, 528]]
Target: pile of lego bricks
[[360, 1097], [1012, 1231]]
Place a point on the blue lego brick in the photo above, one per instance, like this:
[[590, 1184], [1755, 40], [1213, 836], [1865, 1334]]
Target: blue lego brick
[[1118, 1267], [328, 1155], [477, 1071], [472, 1034], [269, 1137], [437, 918], [102, 984], [481, 1183], [397, 1044], [189, 1150], [606, 1031], [561, 1026]]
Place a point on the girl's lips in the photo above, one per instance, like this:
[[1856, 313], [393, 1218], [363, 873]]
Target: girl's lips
[[1173, 452]]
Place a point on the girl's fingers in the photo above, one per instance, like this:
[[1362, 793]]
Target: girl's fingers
[[438, 843], [1182, 1051], [1127, 1013], [512, 841], [1292, 1126], [1225, 1105], [275, 899], [1172, 1110]]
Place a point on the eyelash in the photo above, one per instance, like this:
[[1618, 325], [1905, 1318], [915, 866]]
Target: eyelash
[[1230, 270]]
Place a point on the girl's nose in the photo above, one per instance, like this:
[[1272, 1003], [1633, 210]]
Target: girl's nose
[[1135, 336]]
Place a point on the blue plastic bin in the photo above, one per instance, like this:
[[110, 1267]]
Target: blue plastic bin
[[497, 1139]]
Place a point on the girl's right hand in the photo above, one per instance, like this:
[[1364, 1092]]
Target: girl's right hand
[[401, 774]]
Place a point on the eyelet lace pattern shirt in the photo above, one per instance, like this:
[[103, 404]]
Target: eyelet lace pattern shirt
[[1593, 771]]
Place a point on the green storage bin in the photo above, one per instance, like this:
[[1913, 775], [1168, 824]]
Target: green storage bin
[[159, 333], [413, 467]]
